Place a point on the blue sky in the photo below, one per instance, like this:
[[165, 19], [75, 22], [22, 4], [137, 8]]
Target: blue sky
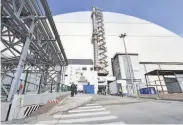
[[166, 13]]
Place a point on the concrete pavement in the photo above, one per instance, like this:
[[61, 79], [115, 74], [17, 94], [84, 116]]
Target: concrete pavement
[[112, 110], [70, 103], [87, 114], [142, 111], [67, 104]]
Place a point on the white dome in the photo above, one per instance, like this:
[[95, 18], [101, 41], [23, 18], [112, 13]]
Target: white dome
[[152, 42]]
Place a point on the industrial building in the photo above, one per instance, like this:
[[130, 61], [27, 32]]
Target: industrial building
[[166, 77], [81, 72], [151, 44]]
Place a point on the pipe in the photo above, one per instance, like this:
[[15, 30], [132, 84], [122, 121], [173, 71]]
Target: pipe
[[52, 24]]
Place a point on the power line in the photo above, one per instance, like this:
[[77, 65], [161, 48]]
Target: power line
[[104, 22], [78, 35]]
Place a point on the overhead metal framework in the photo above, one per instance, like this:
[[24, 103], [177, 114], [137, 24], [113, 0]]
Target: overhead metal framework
[[30, 45]]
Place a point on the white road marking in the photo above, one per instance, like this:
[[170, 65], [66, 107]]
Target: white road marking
[[88, 107], [86, 110], [91, 104], [46, 122], [81, 114], [114, 123], [81, 120]]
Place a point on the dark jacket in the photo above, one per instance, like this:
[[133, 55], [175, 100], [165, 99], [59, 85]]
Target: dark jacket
[[72, 87]]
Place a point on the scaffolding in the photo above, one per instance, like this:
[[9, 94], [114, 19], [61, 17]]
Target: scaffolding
[[30, 46], [98, 41]]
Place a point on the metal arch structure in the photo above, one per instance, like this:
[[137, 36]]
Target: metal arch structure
[[30, 45], [98, 41]]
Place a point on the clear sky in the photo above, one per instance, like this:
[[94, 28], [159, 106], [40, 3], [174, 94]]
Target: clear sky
[[166, 13]]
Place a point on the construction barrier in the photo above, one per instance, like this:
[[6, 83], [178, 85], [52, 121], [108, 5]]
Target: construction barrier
[[53, 101]]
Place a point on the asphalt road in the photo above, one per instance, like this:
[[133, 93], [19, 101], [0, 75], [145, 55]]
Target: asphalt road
[[142, 111], [116, 110]]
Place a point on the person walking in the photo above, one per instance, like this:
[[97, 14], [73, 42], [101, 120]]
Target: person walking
[[72, 89], [76, 87]]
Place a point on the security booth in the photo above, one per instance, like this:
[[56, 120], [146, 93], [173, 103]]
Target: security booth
[[168, 81]]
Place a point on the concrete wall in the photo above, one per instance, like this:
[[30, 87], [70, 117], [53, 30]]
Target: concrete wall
[[4, 110], [21, 102]]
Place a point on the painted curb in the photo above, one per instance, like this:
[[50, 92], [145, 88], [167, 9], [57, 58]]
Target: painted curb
[[74, 106]]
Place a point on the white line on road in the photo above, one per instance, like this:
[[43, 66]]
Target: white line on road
[[46, 122], [90, 104], [114, 123], [81, 120], [86, 110], [81, 114], [89, 107]]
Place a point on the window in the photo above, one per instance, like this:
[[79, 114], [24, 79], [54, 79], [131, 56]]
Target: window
[[84, 68]]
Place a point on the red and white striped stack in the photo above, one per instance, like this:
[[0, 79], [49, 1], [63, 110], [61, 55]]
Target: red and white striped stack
[[53, 101]]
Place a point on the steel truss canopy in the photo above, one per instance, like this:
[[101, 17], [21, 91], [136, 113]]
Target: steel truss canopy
[[17, 17], [30, 42]]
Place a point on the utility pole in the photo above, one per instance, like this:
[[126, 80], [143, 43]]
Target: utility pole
[[128, 59]]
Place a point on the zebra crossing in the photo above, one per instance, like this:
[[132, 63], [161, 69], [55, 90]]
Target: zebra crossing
[[87, 114]]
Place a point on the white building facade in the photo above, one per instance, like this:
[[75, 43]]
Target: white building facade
[[80, 72], [121, 70]]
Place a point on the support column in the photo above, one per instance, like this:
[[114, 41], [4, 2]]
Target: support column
[[51, 86], [41, 79], [160, 82], [44, 78], [19, 70], [63, 77], [157, 92], [146, 81], [24, 89], [58, 80]]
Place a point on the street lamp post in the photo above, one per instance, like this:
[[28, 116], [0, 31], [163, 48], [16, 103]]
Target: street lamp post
[[127, 57]]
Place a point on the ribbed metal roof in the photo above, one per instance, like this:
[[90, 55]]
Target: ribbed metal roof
[[80, 61]]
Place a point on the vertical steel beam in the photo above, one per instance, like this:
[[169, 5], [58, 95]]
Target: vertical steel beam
[[157, 92], [39, 90], [146, 72], [160, 82], [63, 79], [24, 89], [58, 80], [146, 81], [21, 63], [51, 86]]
